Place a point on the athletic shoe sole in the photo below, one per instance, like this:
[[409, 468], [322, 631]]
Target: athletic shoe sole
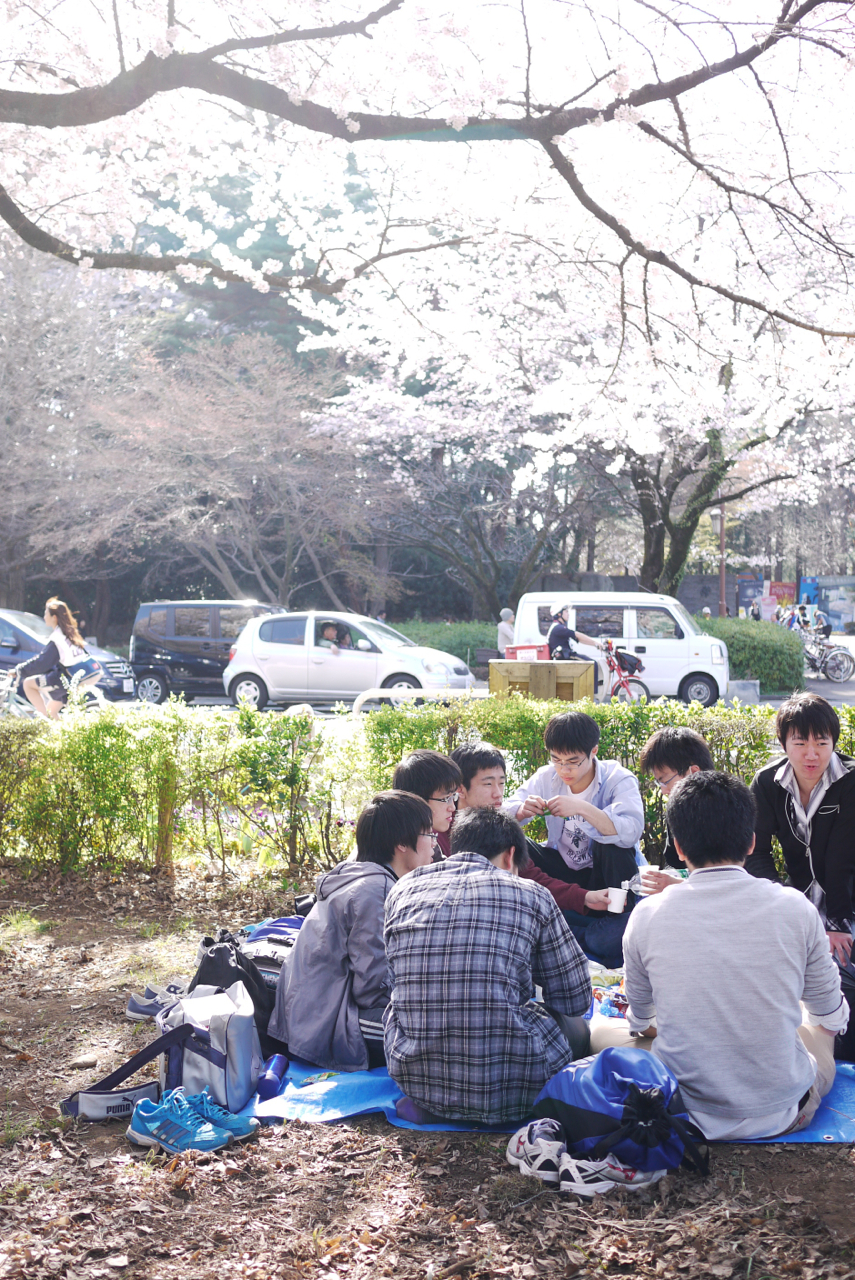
[[149, 1140]]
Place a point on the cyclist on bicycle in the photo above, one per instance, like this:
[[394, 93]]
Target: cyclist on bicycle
[[560, 638]]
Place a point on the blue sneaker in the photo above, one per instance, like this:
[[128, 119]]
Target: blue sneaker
[[174, 1126], [238, 1126]]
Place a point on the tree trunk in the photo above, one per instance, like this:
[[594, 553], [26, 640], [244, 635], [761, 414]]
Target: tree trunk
[[101, 619], [591, 549]]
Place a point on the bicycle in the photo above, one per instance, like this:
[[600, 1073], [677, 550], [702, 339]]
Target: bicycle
[[11, 702], [834, 661], [625, 687]]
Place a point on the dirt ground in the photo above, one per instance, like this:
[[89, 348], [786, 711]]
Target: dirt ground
[[322, 1202]]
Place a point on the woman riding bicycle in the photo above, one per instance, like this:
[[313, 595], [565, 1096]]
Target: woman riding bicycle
[[64, 653]]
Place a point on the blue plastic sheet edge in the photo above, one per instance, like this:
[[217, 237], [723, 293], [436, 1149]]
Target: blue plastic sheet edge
[[357, 1093]]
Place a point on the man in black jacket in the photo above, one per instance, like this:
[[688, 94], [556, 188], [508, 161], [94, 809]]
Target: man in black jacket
[[807, 800]]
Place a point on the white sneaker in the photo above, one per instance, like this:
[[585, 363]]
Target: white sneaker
[[536, 1149], [626, 1176], [585, 1178]]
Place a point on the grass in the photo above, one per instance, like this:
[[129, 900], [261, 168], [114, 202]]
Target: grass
[[23, 924]]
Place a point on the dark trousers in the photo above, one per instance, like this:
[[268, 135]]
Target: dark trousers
[[599, 933]]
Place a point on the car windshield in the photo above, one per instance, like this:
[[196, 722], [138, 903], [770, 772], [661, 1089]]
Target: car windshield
[[29, 620], [387, 637], [685, 617]]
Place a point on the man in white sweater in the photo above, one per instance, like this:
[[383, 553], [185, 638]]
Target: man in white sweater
[[729, 978]]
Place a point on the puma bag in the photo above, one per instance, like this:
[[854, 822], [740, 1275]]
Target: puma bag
[[623, 1102]]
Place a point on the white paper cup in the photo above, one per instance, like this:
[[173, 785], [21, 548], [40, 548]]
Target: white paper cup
[[617, 900]]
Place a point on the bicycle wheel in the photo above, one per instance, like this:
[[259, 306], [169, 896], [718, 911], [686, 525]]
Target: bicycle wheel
[[839, 665], [636, 691]]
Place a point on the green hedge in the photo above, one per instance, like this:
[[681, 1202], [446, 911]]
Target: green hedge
[[760, 651], [741, 739], [459, 638], [138, 785]]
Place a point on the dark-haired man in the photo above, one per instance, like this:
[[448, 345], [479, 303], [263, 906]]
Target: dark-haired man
[[436, 778], [594, 817], [466, 940], [484, 771], [760, 1068], [332, 994], [807, 801], [673, 752]]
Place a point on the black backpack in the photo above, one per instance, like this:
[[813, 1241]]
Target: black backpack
[[221, 965]]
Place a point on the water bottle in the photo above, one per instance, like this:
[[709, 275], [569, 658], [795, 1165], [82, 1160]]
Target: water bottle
[[270, 1080]]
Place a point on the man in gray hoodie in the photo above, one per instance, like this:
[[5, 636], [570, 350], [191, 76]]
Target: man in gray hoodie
[[332, 993]]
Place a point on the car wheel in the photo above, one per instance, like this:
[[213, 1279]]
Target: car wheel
[[402, 682], [250, 691], [152, 688], [700, 689]]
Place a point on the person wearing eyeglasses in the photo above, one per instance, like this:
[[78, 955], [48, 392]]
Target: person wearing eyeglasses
[[437, 779], [672, 753], [594, 818]]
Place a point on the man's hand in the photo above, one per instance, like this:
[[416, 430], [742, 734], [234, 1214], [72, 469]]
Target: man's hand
[[650, 1034], [563, 806], [597, 899], [654, 881], [533, 807], [841, 946]]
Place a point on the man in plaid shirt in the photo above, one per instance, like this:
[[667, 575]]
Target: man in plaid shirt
[[466, 940]]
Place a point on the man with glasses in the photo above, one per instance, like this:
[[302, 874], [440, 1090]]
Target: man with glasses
[[673, 752], [594, 817], [437, 779]]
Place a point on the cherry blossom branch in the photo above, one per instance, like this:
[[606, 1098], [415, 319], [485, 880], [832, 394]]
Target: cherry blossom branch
[[357, 28], [154, 75], [566, 170], [42, 240]]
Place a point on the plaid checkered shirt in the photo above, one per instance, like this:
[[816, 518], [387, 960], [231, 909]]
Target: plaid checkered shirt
[[465, 943]]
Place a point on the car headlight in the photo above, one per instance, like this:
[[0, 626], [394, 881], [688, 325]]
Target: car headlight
[[436, 668], [717, 655]]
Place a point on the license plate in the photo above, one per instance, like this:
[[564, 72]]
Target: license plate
[[128, 686]]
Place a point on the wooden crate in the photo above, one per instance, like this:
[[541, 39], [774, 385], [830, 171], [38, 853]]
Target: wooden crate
[[568, 681]]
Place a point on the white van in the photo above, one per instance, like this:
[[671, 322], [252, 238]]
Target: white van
[[679, 659]]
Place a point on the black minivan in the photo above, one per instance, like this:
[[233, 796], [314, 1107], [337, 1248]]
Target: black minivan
[[182, 646]]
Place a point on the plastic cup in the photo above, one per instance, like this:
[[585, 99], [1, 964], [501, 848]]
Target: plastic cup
[[617, 900]]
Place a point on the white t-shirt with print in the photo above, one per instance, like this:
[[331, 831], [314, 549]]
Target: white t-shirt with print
[[575, 843]]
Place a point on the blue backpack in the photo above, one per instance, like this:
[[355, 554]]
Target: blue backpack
[[625, 1102]]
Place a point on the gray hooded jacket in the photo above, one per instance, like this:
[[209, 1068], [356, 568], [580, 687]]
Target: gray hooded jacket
[[338, 966]]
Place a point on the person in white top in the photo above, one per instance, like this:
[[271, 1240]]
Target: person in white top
[[65, 647], [729, 978], [505, 630]]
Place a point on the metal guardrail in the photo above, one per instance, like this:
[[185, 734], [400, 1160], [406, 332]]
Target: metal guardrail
[[404, 694]]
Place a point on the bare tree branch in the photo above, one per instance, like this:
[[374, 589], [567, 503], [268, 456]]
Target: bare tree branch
[[567, 171]]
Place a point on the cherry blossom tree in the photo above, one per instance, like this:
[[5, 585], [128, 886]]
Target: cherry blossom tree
[[666, 141]]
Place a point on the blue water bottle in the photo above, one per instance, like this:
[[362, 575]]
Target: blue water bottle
[[270, 1080]]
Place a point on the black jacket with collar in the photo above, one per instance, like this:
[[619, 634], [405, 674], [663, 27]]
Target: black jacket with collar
[[832, 845]]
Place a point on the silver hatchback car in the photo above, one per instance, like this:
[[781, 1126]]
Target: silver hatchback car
[[331, 657]]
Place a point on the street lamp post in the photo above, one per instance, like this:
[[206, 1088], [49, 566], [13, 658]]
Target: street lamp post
[[717, 520]]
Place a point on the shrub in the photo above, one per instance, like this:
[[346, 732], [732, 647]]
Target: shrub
[[459, 638], [740, 738], [17, 752], [760, 651]]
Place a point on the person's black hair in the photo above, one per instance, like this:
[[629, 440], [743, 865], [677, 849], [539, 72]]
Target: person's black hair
[[475, 756], [572, 731], [392, 818], [675, 747], [427, 773], [711, 816], [808, 715], [489, 832]]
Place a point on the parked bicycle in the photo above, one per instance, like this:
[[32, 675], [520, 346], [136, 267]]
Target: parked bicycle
[[824, 658], [624, 687]]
